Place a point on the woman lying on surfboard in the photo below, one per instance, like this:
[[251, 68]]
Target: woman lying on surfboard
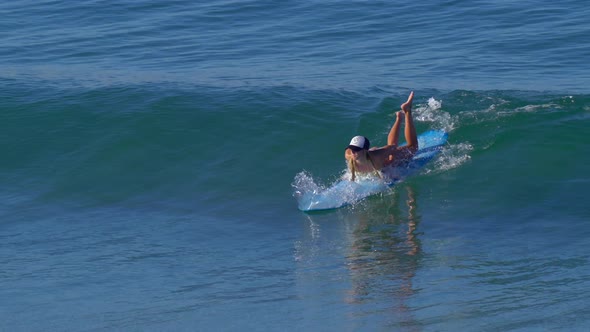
[[361, 159]]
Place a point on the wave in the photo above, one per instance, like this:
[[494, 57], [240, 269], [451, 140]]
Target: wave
[[503, 128], [158, 143]]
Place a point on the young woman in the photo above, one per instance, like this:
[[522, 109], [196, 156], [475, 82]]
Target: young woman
[[362, 159]]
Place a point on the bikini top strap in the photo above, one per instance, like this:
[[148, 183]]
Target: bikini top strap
[[373, 165]]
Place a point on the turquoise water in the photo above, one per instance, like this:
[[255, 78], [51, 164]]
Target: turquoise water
[[150, 151]]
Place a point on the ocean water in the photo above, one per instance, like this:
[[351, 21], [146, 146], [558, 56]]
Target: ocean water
[[151, 151]]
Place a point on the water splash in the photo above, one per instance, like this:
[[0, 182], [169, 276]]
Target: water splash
[[312, 196], [432, 112], [304, 184], [453, 156], [434, 104]]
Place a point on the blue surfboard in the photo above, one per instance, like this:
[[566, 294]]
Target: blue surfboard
[[345, 192]]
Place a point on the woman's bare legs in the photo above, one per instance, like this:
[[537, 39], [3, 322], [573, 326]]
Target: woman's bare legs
[[410, 130], [393, 137]]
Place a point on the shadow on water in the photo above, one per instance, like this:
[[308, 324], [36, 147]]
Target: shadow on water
[[378, 243]]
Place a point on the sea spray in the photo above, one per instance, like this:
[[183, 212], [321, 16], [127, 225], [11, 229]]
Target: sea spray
[[311, 196], [432, 112]]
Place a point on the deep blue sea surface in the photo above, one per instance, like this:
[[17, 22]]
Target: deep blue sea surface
[[150, 152]]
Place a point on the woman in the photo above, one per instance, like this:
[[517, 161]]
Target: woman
[[362, 159]]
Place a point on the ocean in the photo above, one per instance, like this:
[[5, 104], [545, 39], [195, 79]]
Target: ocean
[[151, 151]]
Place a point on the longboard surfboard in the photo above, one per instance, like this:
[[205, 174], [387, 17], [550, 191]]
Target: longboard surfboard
[[345, 192]]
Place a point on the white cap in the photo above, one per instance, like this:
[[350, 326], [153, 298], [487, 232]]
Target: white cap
[[360, 142]]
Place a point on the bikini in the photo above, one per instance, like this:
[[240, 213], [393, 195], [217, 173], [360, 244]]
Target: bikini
[[372, 165]]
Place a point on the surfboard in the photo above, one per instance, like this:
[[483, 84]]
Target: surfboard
[[345, 192]]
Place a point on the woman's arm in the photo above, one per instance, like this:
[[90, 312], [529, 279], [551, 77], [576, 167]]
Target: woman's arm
[[383, 156], [350, 163]]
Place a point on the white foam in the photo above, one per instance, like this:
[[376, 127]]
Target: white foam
[[432, 112], [534, 108], [453, 156], [434, 104]]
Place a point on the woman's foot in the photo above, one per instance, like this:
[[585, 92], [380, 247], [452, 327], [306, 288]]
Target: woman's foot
[[407, 106]]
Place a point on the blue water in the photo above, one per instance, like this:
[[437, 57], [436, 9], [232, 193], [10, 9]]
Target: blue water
[[150, 152]]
